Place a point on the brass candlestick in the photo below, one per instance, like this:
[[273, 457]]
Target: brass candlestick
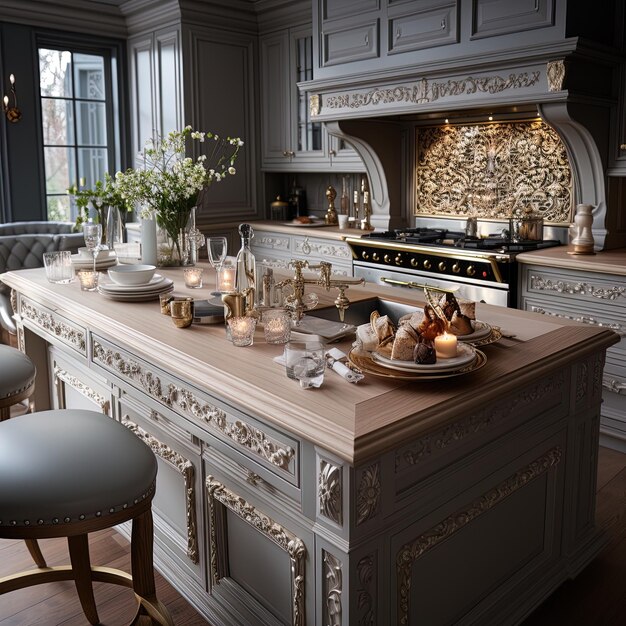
[[331, 213]]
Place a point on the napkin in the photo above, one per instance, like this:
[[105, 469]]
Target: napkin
[[333, 360]]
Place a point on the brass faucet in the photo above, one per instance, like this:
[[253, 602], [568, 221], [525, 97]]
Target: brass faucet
[[295, 301]]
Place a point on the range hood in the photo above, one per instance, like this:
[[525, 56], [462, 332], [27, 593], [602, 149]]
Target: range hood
[[375, 115]]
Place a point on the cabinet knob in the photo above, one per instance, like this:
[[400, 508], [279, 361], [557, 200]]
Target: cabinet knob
[[456, 268], [426, 264], [387, 258], [442, 266], [398, 259]]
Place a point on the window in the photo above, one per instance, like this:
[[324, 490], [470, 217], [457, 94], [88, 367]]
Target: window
[[77, 123]]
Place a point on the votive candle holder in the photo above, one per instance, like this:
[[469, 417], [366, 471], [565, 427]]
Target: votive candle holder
[[277, 325], [242, 330], [88, 280], [193, 277]]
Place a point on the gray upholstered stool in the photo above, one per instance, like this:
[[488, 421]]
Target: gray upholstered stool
[[66, 473], [17, 379]]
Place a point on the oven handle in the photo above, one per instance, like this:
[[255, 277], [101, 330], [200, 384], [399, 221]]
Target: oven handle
[[413, 285]]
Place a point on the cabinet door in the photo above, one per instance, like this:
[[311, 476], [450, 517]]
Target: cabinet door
[[276, 98], [501, 17]]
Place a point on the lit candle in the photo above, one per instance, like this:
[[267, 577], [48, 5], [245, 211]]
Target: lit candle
[[226, 279], [193, 277], [277, 325], [242, 330], [88, 280], [12, 79], [6, 101], [445, 346]]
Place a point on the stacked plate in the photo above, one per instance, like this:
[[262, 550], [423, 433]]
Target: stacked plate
[[137, 293], [104, 260], [466, 355]]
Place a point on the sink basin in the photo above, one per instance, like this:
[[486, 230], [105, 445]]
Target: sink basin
[[359, 312]]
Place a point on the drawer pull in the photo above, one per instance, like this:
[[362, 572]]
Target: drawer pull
[[398, 33], [252, 478], [306, 246], [443, 24], [367, 40], [614, 385]]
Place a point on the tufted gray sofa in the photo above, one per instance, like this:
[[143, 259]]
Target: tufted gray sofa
[[22, 245]]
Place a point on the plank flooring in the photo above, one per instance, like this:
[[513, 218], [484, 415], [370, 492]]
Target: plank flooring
[[597, 596]]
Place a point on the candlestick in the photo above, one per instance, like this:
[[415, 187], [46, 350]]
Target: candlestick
[[446, 346]]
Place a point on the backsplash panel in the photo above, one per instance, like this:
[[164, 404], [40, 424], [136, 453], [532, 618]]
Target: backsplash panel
[[493, 171]]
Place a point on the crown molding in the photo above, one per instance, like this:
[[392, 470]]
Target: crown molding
[[236, 15], [144, 16], [80, 16]]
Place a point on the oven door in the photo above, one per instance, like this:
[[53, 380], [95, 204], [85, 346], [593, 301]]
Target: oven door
[[498, 295]]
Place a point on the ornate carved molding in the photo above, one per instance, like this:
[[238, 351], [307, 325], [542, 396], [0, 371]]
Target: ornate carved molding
[[314, 104], [555, 73], [46, 321], [493, 171], [368, 493], [582, 379], [483, 420], [188, 471], [366, 595], [273, 531], [410, 552], [62, 376], [598, 370], [537, 283], [170, 395], [275, 243], [329, 491], [332, 587], [306, 246], [424, 91], [13, 298], [581, 318]]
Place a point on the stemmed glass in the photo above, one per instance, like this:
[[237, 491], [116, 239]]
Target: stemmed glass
[[93, 236], [216, 247]]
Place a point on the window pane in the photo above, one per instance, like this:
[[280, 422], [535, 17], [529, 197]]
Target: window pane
[[92, 164], [89, 77], [55, 72], [58, 122], [60, 169], [91, 123], [59, 209]]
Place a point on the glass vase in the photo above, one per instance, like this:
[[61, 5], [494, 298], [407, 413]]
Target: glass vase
[[113, 233]]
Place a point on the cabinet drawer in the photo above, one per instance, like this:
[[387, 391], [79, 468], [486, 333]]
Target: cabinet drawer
[[501, 17], [270, 241], [55, 328], [334, 9], [321, 249], [425, 29], [608, 292], [198, 412], [350, 43]]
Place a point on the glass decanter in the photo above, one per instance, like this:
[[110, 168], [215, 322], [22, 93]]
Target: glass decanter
[[245, 271]]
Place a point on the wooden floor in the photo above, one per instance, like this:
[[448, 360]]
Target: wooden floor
[[596, 597]]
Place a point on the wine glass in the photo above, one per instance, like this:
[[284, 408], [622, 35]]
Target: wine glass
[[216, 247], [93, 236]]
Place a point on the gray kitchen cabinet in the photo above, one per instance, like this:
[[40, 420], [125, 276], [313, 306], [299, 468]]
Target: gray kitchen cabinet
[[277, 249], [291, 141], [595, 298]]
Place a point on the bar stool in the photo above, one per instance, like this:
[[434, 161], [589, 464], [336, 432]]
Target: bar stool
[[17, 379], [66, 473]]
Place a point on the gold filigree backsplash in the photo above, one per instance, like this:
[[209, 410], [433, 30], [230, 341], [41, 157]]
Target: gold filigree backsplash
[[493, 171]]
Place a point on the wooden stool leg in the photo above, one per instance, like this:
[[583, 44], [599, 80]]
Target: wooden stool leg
[[5, 413], [79, 556], [35, 552], [143, 572]]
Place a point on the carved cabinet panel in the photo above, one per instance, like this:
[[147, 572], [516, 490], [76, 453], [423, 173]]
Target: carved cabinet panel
[[593, 298]]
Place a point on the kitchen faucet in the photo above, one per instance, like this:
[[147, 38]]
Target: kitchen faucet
[[295, 302]]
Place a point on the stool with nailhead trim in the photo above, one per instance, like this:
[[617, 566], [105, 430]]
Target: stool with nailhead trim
[[17, 379], [66, 473]]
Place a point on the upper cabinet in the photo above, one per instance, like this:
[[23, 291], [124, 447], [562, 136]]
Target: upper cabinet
[[291, 140], [156, 85]]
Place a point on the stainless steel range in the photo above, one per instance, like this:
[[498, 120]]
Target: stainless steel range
[[482, 268]]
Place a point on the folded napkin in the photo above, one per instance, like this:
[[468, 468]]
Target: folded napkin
[[333, 360]]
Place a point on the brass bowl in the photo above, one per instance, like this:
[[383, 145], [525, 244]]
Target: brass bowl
[[182, 322]]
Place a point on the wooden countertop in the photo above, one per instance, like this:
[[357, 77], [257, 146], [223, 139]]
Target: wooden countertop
[[606, 261], [352, 421]]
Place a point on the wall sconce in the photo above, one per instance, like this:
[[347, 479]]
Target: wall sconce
[[12, 112]]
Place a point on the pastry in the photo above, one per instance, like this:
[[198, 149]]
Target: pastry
[[468, 308], [404, 343], [367, 338], [461, 324], [413, 319], [303, 219], [382, 326], [424, 352], [431, 325]]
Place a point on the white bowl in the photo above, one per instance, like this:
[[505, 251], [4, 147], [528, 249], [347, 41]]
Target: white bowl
[[131, 274]]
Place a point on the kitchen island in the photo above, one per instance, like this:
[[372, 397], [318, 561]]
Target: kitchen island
[[466, 500]]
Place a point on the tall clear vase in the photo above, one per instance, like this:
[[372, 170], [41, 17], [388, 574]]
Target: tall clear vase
[[114, 233]]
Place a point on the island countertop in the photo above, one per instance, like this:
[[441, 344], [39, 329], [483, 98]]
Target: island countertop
[[604, 262], [354, 421]]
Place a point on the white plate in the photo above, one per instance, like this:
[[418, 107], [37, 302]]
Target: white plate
[[82, 264], [481, 330], [315, 224], [136, 297], [466, 353], [154, 282]]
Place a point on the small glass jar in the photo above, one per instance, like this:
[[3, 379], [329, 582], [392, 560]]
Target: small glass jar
[[193, 277], [242, 330], [277, 325], [88, 280]]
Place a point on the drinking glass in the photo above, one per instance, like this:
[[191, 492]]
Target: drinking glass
[[304, 362], [93, 236], [216, 247]]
